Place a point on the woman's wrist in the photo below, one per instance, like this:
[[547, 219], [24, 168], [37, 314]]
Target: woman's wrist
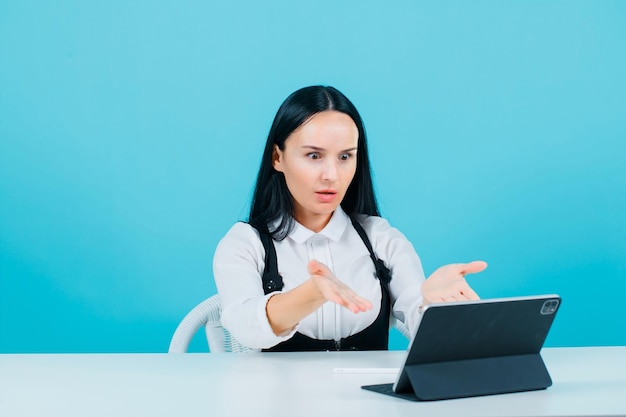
[[285, 310]]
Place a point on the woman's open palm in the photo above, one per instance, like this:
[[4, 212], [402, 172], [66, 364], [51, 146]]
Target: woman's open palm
[[448, 283], [332, 289]]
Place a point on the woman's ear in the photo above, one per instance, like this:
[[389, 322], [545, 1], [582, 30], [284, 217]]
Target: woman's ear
[[277, 158]]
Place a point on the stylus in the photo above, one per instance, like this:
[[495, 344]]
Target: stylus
[[366, 370]]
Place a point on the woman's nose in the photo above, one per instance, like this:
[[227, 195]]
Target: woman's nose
[[330, 171]]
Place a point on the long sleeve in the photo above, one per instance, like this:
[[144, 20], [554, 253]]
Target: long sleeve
[[237, 266]]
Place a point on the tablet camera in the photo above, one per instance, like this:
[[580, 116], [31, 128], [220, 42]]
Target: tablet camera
[[549, 307]]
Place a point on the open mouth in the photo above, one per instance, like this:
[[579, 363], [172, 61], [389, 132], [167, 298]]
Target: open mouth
[[326, 196]]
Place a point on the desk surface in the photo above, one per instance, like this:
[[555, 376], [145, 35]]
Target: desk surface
[[587, 381]]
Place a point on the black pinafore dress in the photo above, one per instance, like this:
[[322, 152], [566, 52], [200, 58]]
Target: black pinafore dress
[[374, 337]]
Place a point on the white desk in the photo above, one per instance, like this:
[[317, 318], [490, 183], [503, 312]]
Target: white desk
[[587, 381]]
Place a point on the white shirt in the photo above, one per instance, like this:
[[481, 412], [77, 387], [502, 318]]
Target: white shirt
[[240, 259]]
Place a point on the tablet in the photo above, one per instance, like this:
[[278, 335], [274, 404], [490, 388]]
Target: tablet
[[472, 348]]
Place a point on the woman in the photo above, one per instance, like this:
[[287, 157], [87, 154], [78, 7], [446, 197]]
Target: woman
[[315, 267]]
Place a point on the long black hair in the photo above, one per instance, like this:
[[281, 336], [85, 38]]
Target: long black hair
[[272, 209]]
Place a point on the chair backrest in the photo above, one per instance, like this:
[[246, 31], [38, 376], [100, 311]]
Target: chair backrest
[[208, 314], [401, 327]]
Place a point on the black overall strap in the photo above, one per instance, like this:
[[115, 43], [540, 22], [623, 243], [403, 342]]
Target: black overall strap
[[272, 280], [382, 272]]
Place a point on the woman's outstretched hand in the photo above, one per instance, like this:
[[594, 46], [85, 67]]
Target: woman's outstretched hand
[[331, 289], [448, 283], [285, 309]]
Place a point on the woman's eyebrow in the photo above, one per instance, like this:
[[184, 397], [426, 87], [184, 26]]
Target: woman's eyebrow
[[313, 148], [318, 149]]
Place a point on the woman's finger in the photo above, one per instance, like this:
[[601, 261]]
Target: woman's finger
[[356, 303], [363, 303], [473, 267]]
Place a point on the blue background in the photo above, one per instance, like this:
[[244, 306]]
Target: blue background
[[131, 131]]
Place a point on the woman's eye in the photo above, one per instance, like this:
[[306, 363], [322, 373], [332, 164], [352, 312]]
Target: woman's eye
[[313, 155], [345, 156]]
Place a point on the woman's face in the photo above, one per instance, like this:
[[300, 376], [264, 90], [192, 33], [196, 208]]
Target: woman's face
[[319, 162]]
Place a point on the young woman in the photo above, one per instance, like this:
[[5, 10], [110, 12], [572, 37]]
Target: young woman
[[315, 267]]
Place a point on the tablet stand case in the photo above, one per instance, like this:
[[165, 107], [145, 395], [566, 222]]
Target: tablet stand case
[[472, 377], [482, 348]]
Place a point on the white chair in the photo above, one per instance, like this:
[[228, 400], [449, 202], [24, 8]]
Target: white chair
[[401, 327], [208, 314]]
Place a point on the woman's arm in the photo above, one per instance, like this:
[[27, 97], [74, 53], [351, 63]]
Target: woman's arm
[[285, 310], [258, 320], [409, 288]]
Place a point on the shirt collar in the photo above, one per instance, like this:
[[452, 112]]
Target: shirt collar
[[333, 230]]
